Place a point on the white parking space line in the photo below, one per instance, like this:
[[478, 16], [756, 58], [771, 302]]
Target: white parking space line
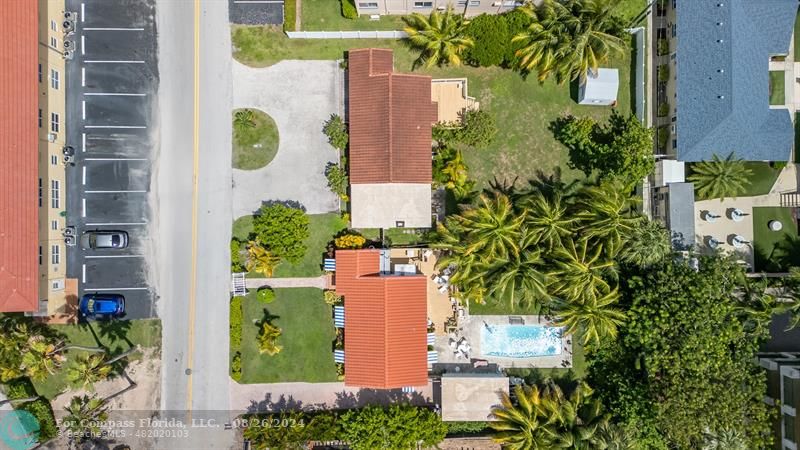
[[112, 256], [83, 273], [83, 45], [118, 289], [115, 159], [83, 142], [84, 175], [119, 94], [83, 207], [103, 224], [114, 192], [83, 109], [83, 12], [117, 127], [112, 29], [108, 61], [83, 76]]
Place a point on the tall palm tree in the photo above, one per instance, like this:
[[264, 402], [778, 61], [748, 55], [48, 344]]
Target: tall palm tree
[[595, 316], [548, 220], [260, 259], [607, 215], [648, 244], [567, 39], [88, 370], [84, 416], [441, 37], [720, 178], [580, 272], [41, 359], [268, 339], [518, 280], [493, 229]]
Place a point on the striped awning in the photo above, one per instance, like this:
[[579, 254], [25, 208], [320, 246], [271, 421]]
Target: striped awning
[[433, 356], [338, 356], [408, 389], [431, 338], [338, 316], [329, 265]]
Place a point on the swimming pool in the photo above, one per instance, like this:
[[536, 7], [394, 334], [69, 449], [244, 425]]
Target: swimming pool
[[520, 341]]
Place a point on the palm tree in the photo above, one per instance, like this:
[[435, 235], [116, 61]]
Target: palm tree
[[648, 244], [457, 177], [441, 37], [260, 259], [84, 416], [615, 437], [566, 39], [518, 280], [607, 215], [268, 339], [88, 370], [244, 119], [595, 316], [493, 229], [720, 178], [548, 220], [580, 272]]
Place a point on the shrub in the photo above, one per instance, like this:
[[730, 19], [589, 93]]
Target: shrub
[[244, 119], [43, 412], [346, 216], [349, 10], [477, 129], [350, 240], [268, 339], [20, 388], [663, 73], [331, 297], [663, 109], [778, 165], [289, 15], [663, 137], [517, 21], [236, 317], [265, 295], [490, 34], [663, 46], [282, 230], [236, 256], [337, 179], [466, 427], [236, 366], [336, 131]]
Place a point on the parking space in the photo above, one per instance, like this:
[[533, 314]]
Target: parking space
[[256, 12], [112, 80]]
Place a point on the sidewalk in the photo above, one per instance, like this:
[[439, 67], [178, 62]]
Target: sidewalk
[[320, 282]]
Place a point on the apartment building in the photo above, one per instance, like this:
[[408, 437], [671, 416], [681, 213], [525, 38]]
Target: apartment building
[[783, 391], [469, 8]]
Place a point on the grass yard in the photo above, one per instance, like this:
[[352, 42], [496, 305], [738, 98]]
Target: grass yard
[[398, 236], [797, 38], [796, 138], [322, 228], [307, 336], [254, 147], [522, 108], [775, 251], [777, 88], [326, 15], [763, 178], [117, 337]]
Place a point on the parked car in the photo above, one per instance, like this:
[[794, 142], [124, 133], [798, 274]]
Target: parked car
[[102, 306], [104, 239]]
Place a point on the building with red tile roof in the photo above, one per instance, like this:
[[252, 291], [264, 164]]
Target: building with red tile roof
[[385, 322], [390, 118], [19, 142]]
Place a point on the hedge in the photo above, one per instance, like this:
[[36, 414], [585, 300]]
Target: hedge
[[19, 388], [349, 10], [236, 323], [462, 428], [289, 15]]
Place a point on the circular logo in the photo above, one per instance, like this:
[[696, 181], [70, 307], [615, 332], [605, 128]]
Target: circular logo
[[19, 429]]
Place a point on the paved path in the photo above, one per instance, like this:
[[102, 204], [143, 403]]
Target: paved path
[[320, 282], [295, 396], [300, 96]]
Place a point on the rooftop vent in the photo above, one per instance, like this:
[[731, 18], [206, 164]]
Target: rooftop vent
[[721, 97], [719, 41], [719, 24], [721, 70]]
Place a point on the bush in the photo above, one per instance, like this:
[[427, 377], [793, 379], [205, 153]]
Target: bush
[[462, 428], [265, 295], [338, 180], [517, 21], [663, 73], [663, 137], [236, 256], [236, 366], [331, 297], [350, 240], [778, 165], [490, 34], [663, 46], [282, 230], [289, 15], [477, 129], [43, 412], [349, 10], [663, 109], [336, 131], [20, 388], [236, 317]]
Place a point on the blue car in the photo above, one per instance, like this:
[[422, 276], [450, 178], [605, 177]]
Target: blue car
[[102, 306]]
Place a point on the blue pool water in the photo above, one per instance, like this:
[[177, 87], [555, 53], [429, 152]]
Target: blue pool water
[[520, 341]]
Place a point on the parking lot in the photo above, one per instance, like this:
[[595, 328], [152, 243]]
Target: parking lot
[[111, 105]]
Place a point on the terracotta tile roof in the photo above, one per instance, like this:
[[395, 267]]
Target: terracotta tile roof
[[390, 118], [19, 152], [385, 323]]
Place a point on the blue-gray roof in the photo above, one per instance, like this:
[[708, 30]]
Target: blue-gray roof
[[680, 219], [723, 78]]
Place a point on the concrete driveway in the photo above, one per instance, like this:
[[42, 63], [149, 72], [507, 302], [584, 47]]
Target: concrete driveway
[[299, 96]]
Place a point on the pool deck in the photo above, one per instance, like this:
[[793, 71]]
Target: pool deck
[[470, 329]]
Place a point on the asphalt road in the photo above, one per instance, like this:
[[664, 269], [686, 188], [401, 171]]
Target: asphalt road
[[263, 12], [111, 114], [194, 218]]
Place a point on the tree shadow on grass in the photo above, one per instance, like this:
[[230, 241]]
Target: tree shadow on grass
[[380, 397]]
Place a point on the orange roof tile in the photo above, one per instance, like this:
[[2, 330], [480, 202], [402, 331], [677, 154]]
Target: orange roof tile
[[390, 119], [19, 152], [385, 323]]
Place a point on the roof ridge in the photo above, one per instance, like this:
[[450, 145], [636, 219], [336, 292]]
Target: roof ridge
[[391, 125], [385, 332]]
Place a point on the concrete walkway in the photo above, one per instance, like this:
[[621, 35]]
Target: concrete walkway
[[320, 282], [309, 396], [300, 96]]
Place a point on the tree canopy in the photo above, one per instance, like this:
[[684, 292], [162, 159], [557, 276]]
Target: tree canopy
[[399, 427], [282, 230]]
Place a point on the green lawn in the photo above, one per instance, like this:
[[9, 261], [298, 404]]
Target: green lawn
[[522, 108], [775, 251], [326, 15], [397, 236], [307, 338], [797, 38], [777, 88], [763, 178], [117, 337], [255, 147], [797, 137], [322, 228]]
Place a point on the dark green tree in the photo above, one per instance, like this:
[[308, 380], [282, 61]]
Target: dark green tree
[[336, 131], [400, 427], [282, 230], [490, 34]]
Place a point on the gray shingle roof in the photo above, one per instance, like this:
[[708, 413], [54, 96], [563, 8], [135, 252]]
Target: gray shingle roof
[[723, 78], [680, 219]]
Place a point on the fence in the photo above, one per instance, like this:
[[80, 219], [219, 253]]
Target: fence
[[639, 103], [346, 34]]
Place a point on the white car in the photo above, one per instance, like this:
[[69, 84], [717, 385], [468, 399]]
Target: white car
[[104, 239]]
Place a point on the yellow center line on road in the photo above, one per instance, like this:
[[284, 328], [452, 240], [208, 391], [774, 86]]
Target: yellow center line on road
[[195, 175]]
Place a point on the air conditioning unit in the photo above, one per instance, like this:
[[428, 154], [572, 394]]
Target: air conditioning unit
[[68, 159], [69, 240], [69, 45], [52, 137], [68, 150], [67, 54], [68, 26], [70, 15], [69, 231]]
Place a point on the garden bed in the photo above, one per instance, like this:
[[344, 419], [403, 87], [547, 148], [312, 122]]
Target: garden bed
[[254, 145]]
